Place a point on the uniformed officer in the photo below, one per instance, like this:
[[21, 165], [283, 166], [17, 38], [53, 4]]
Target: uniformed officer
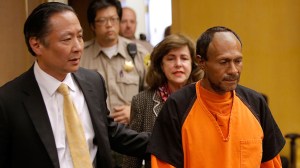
[[114, 57]]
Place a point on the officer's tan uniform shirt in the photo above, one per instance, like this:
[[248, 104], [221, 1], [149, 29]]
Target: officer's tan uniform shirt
[[121, 84]]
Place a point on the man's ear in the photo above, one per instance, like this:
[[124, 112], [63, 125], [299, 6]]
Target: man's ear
[[201, 62], [35, 45]]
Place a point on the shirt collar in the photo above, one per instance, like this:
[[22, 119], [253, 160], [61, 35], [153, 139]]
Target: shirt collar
[[122, 47], [49, 83]]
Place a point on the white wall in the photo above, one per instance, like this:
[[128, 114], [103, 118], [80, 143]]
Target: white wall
[[140, 8], [160, 16], [153, 16]]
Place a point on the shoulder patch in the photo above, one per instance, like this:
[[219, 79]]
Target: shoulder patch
[[147, 61]]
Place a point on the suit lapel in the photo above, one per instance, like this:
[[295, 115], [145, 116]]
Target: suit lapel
[[97, 109], [157, 104], [37, 111], [92, 86], [87, 89]]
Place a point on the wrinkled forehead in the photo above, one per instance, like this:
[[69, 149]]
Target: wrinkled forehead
[[129, 12], [224, 43], [225, 37], [224, 40]]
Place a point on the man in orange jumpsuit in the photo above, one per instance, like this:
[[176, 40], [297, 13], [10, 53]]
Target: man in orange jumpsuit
[[215, 122]]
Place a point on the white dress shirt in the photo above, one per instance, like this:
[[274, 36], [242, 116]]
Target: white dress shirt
[[54, 104]]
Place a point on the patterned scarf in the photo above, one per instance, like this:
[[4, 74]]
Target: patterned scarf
[[164, 92]]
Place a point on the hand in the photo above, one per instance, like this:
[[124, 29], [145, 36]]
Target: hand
[[121, 114]]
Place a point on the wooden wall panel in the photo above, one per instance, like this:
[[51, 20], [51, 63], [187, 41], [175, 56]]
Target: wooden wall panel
[[270, 34], [14, 58]]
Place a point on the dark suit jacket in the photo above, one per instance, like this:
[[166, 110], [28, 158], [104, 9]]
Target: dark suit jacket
[[26, 137], [144, 109]]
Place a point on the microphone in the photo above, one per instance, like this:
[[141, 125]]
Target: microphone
[[132, 50]]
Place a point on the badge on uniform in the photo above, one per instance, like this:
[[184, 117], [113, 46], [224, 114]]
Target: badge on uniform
[[128, 66]]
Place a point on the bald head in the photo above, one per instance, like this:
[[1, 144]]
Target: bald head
[[128, 23]]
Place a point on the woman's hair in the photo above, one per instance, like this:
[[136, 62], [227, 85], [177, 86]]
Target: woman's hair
[[155, 76]]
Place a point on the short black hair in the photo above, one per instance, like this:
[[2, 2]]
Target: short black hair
[[96, 5], [205, 39], [37, 23]]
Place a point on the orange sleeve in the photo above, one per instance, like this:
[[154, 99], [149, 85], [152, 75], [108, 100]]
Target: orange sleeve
[[273, 163], [156, 163]]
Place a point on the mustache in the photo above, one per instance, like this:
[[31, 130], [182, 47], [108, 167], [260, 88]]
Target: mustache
[[232, 77]]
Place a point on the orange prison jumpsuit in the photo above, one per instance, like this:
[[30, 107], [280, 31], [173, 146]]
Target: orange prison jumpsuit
[[219, 131]]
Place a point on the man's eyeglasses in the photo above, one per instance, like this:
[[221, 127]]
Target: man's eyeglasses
[[104, 21]]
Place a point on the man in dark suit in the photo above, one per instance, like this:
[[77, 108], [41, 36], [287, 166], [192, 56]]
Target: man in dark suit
[[32, 131]]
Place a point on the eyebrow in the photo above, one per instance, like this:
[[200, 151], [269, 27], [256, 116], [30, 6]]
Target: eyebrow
[[71, 32]]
